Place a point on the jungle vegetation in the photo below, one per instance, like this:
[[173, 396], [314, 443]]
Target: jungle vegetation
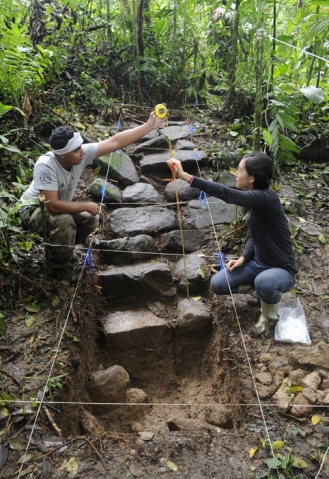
[[261, 62]]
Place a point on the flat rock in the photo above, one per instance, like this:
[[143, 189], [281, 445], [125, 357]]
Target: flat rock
[[135, 330], [157, 162], [142, 220], [141, 193], [112, 194], [173, 241], [159, 141], [317, 355], [146, 436], [192, 315], [181, 189], [203, 213], [264, 378], [176, 132], [190, 269], [126, 250], [184, 145], [144, 280], [119, 167]]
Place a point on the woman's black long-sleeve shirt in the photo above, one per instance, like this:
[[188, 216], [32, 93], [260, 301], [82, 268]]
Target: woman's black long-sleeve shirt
[[269, 242]]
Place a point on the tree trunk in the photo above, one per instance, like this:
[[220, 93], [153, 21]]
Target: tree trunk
[[259, 59], [231, 101], [140, 20]]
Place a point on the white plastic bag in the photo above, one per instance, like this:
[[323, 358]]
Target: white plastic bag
[[292, 326]]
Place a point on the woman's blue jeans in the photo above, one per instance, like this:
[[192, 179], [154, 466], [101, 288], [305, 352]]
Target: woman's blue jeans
[[269, 282]]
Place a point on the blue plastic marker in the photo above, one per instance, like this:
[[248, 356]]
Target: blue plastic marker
[[220, 259], [88, 260], [204, 197]]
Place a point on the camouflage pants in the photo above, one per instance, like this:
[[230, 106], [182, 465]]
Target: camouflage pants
[[62, 231]]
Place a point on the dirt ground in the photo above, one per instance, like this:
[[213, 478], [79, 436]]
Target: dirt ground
[[212, 369], [167, 437]]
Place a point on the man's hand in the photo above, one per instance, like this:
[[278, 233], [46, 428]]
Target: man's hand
[[55, 206], [235, 263], [154, 122], [92, 208]]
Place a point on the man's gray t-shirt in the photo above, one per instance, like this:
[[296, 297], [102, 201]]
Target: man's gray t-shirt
[[48, 174]]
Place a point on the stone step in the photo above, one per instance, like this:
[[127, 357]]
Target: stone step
[[135, 330], [143, 280], [142, 220]]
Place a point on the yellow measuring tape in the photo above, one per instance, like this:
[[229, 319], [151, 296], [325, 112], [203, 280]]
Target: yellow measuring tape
[[160, 111]]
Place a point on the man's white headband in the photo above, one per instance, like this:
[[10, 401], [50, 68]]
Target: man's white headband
[[73, 144]]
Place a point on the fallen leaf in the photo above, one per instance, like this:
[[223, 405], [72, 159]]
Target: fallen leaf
[[5, 399], [29, 320], [277, 445], [315, 420], [25, 458], [4, 412], [32, 307], [72, 467], [300, 463], [172, 466], [17, 445], [296, 389], [253, 451]]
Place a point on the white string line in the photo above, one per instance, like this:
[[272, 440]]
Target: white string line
[[322, 463], [155, 253], [326, 61], [31, 402], [239, 325], [61, 335], [48, 379], [231, 294], [302, 50]]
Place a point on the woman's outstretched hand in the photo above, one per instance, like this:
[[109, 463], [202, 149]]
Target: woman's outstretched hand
[[176, 166]]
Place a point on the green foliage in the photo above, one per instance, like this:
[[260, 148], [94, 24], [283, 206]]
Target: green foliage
[[71, 336], [5, 108], [10, 227], [280, 462], [285, 113], [55, 382], [5, 399], [22, 67], [181, 41]]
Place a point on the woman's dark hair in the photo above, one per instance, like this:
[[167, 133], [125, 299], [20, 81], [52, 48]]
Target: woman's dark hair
[[61, 136], [260, 166]]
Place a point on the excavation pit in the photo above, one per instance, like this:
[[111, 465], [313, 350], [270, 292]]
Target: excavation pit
[[156, 373]]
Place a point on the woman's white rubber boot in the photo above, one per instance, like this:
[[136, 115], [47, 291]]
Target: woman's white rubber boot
[[270, 312]]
